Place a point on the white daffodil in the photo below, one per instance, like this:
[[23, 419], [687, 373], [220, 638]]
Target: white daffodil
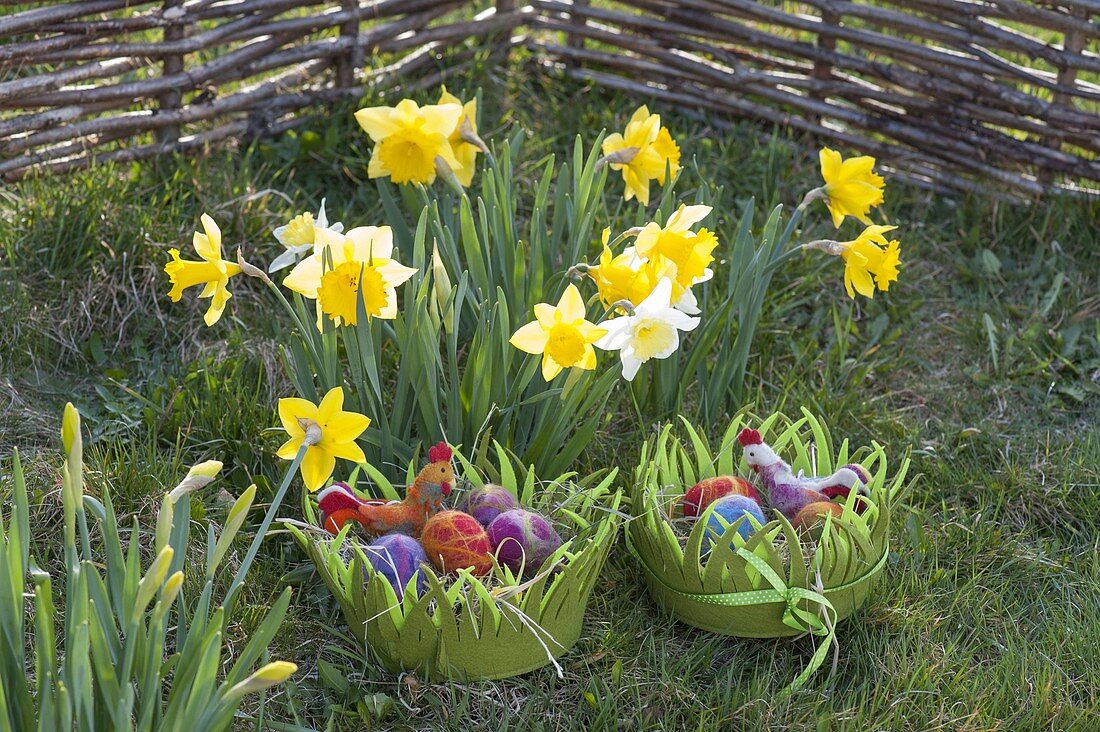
[[299, 235], [653, 331]]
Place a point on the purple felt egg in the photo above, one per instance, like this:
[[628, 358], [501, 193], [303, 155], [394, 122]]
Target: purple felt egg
[[398, 557], [522, 539], [860, 471], [488, 502]]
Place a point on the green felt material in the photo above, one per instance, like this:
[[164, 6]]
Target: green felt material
[[459, 629], [751, 588]]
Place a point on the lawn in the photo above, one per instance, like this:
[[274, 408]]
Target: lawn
[[983, 359]]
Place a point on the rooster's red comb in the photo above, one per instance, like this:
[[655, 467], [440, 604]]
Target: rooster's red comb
[[439, 453], [749, 437]]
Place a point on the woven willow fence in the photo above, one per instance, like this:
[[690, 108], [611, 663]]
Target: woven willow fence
[[994, 94]]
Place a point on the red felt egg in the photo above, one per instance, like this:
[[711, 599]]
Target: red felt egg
[[709, 490], [454, 540]]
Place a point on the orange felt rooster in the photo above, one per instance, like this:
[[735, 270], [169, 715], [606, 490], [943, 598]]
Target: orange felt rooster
[[424, 497]]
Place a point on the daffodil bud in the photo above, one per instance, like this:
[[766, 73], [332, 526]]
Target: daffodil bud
[[72, 485], [152, 580], [270, 675], [441, 282], [171, 588], [444, 171], [233, 524], [164, 524], [70, 428], [197, 477]]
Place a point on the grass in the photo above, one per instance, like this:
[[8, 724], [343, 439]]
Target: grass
[[985, 358]]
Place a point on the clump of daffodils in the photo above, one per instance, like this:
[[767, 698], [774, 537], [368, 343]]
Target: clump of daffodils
[[852, 188], [644, 279], [658, 272], [643, 152], [414, 144]]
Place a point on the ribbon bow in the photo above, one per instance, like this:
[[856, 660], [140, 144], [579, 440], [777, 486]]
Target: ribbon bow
[[795, 617]]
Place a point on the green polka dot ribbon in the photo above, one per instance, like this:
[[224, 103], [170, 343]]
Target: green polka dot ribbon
[[793, 616]]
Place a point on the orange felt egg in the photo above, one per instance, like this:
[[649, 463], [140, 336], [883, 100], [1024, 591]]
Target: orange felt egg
[[454, 540], [812, 515]]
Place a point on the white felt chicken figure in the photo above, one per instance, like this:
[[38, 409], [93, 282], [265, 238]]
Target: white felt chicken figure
[[790, 493]]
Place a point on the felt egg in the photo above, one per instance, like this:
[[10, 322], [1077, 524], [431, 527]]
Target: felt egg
[[730, 509], [398, 557], [455, 540], [864, 476], [810, 519], [522, 539], [488, 502], [709, 490]]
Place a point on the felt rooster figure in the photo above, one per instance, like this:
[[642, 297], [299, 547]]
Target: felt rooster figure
[[790, 493], [424, 497]]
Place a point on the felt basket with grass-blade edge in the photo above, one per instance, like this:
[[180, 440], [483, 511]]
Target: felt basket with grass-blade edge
[[468, 628]]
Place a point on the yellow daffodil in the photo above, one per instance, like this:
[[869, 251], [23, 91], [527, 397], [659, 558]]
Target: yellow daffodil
[[625, 277], [870, 256], [689, 252], [409, 138], [344, 265], [465, 153], [212, 272], [561, 334], [338, 431], [298, 234], [644, 150], [852, 188]]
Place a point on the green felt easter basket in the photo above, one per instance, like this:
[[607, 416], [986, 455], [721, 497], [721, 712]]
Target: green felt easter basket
[[468, 627], [778, 582]]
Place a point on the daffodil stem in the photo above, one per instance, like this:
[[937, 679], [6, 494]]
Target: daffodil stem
[[621, 238], [254, 548], [625, 305], [581, 268], [305, 334], [786, 256], [796, 215]]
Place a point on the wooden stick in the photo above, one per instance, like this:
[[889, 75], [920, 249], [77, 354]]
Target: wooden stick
[[961, 93]]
